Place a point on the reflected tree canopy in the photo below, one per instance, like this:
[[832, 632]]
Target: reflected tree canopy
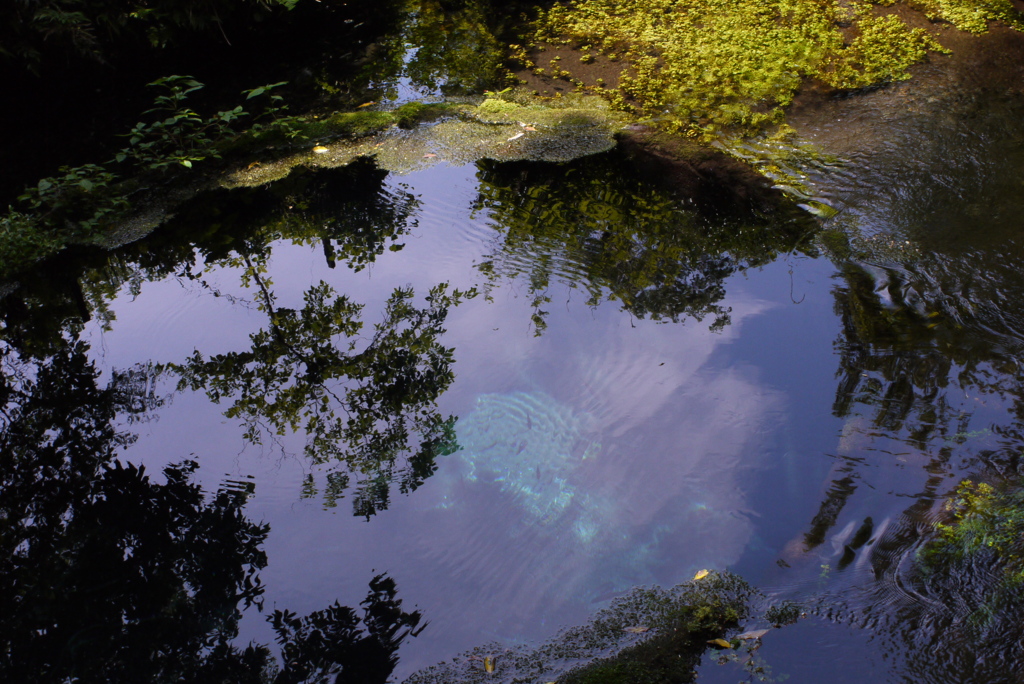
[[590, 225], [308, 365], [456, 49], [905, 348], [98, 560], [366, 402], [108, 575], [923, 349], [349, 211]]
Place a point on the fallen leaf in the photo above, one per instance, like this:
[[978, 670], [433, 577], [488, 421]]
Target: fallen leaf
[[366, 104], [638, 629], [529, 128], [319, 149], [721, 643], [488, 664], [516, 136], [756, 634], [429, 155], [701, 574]]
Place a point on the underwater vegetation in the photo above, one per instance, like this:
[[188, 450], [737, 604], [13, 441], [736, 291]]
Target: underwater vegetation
[[701, 66], [986, 525], [650, 636]]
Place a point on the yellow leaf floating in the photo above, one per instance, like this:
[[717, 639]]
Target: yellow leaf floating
[[488, 664], [319, 149], [638, 629], [701, 574], [366, 104], [721, 643]]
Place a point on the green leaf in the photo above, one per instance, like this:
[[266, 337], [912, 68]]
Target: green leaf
[[86, 184], [186, 163], [255, 91], [120, 157]]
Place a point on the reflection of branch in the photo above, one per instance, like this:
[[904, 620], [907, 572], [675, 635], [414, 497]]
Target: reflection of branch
[[279, 336]]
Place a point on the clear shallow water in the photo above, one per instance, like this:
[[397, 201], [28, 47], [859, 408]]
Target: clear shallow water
[[640, 392]]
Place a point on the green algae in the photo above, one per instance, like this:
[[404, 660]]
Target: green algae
[[503, 127], [650, 635], [708, 65]]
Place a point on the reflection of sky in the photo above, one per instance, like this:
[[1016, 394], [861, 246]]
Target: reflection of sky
[[715, 449], [663, 497]]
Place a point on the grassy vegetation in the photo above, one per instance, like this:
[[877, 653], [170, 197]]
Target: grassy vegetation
[[707, 65]]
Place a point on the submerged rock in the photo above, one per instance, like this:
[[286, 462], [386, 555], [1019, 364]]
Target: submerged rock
[[506, 128]]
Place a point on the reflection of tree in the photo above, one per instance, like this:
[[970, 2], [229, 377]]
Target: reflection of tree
[[455, 51], [330, 644], [108, 576], [349, 210], [590, 225], [898, 361], [97, 559], [308, 365], [914, 341], [292, 377]]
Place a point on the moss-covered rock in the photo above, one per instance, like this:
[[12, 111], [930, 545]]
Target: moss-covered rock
[[506, 127], [650, 636]]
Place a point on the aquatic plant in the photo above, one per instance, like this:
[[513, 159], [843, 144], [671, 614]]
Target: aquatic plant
[[651, 635], [704, 65], [987, 524]]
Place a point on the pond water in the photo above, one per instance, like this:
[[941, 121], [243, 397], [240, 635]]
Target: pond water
[[623, 391]]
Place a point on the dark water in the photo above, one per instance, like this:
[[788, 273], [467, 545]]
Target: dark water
[[622, 392]]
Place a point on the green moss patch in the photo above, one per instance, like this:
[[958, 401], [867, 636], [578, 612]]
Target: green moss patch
[[650, 636], [970, 15], [706, 65], [505, 127]]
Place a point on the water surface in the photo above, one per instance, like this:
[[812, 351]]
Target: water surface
[[624, 391]]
